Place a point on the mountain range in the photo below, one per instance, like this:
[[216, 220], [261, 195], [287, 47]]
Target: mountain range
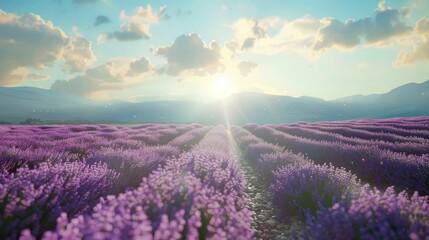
[[20, 103]]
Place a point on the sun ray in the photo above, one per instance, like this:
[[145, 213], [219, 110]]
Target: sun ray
[[221, 87]]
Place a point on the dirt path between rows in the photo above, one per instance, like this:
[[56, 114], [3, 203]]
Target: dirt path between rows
[[265, 221]]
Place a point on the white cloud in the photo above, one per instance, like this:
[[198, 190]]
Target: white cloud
[[135, 27], [310, 37], [140, 66], [420, 48], [78, 55], [104, 77], [422, 26], [296, 36], [248, 31], [111, 76], [29, 42], [382, 6], [388, 24], [232, 46], [190, 55], [420, 52], [246, 67]]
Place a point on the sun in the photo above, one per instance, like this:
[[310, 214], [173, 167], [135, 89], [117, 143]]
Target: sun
[[221, 87]]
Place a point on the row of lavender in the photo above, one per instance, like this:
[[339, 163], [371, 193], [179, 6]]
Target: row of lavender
[[412, 123], [371, 131], [43, 178], [158, 183], [368, 159], [395, 143], [31, 145], [332, 200], [199, 195]]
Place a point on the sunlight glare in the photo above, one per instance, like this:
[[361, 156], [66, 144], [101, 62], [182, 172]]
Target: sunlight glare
[[221, 87]]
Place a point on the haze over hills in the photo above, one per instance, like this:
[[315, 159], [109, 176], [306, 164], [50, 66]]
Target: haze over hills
[[20, 103]]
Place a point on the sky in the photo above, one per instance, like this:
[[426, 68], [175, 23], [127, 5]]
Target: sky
[[206, 50]]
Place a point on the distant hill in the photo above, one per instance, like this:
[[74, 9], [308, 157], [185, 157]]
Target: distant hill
[[20, 103], [411, 99]]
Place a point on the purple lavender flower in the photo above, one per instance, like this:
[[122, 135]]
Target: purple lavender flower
[[165, 206], [373, 215], [370, 163], [35, 198], [132, 164], [310, 187]]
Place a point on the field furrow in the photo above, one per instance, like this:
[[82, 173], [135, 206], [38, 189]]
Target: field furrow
[[265, 218]]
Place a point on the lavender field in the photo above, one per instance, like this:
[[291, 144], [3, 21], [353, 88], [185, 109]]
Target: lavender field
[[360, 179]]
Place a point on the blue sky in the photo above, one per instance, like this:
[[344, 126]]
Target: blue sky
[[205, 50]]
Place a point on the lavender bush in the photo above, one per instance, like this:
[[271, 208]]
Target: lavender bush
[[373, 215], [267, 164], [166, 206], [34, 199], [417, 148], [309, 187], [132, 164]]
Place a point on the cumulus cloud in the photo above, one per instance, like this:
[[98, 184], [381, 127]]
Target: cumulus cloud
[[420, 48], [117, 74], [29, 42], [422, 26], [387, 24], [232, 46], [246, 67], [78, 54], [310, 36], [104, 77], [190, 55], [420, 52], [287, 36], [382, 6], [140, 66], [100, 19], [135, 27], [247, 31]]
